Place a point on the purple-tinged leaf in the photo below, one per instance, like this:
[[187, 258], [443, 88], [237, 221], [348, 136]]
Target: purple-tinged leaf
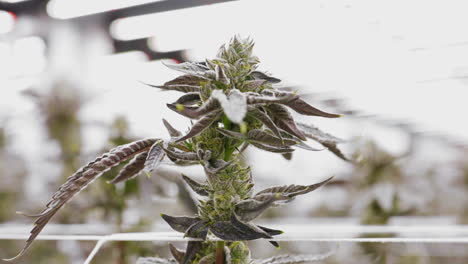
[[172, 131], [304, 108], [198, 230], [292, 190], [199, 188], [193, 247], [221, 75], [180, 223], [187, 79], [188, 99], [201, 125], [262, 100], [262, 76], [188, 67], [273, 149], [250, 209], [327, 140], [231, 134], [265, 119], [188, 156], [177, 253], [254, 85], [262, 137], [132, 169], [283, 119], [155, 156], [178, 87], [81, 179], [287, 156]]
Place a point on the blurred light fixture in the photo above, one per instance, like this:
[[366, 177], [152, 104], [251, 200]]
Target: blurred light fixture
[[7, 22], [172, 23], [13, 1], [64, 9]]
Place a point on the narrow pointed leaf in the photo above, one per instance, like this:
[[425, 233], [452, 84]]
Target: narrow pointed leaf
[[180, 223], [201, 189], [197, 230], [327, 140], [257, 100], [81, 179], [292, 190], [304, 108], [193, 247], [283, 119], [155, 156], [177, 253], [273, 149], [250, 209], [201, 125], [221, 75], [172, 131], [271, 232], [188, 99], [231, 134], [254, 85], [188, 156], [262, 76], [262, 137], [188, 67], [187, 79], [156, 261], [132, 169], [178, 87], [265, 119]]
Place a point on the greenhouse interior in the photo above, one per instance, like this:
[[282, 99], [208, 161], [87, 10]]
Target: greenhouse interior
[[233, 132]]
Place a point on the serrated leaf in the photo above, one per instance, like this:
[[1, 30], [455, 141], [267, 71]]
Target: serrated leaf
[[155, 156], [258, 75], [132, 169], [283, 119], [172, 131], [292, 190], [197, 187], [180, 223], [201, 125], [327, 140], [81, 179]]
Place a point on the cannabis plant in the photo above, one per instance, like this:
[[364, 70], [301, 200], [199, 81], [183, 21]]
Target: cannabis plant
[[233, 106]]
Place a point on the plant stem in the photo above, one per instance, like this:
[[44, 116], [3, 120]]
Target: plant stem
[[219, 252]]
